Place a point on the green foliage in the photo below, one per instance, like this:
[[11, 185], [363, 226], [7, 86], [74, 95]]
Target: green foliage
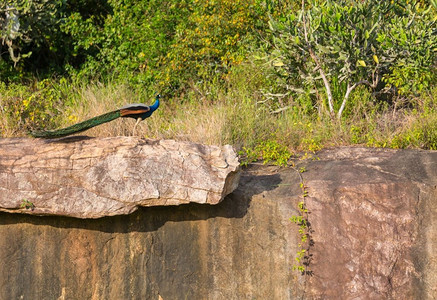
[[28, 107], [303, 255], [30, 29], [201, 53], [429, 136], [269, 151], [167, 44], [214, 38], [27, 204], [349, 43], [130, 42], [423, 134], [410, 42]]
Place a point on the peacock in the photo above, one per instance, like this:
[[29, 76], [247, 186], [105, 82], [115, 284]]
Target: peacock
[[138, 111]]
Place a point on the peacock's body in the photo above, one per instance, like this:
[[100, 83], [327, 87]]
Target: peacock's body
[[138, 111]]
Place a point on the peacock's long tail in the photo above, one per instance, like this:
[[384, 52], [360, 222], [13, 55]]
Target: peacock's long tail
[[76, 128]]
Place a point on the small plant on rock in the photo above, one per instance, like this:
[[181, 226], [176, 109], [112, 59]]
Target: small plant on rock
[[27, 204], [303, 255]]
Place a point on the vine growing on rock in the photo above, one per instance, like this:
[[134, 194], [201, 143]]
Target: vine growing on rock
[[303, 256]]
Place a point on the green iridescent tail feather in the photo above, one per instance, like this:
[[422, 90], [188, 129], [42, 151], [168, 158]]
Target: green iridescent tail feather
[[76, 128]]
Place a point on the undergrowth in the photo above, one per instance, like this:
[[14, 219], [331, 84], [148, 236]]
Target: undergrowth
[[238, 112]]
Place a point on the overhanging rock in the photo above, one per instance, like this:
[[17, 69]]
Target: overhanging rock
[[92, 178]]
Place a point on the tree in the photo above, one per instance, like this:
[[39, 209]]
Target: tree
[[28, 22], [10, 28], [355, 43], [168, 43]]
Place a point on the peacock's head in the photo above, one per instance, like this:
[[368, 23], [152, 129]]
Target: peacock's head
[[156, 104]]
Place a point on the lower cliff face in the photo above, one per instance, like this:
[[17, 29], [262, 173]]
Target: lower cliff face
[[373, 216]]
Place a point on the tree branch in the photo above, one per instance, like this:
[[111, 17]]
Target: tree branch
[[348, 92], [14, 58], [316, 60]]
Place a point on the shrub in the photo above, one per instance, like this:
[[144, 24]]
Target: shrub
[[30, 29], [129, 42], [343, 44], [25, 107], [270, 151]]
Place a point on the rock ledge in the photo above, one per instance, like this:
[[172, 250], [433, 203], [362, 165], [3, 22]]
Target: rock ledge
[[92, 178]]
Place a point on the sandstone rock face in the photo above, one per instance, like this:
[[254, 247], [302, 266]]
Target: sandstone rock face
[[92, 178], [373, 216]]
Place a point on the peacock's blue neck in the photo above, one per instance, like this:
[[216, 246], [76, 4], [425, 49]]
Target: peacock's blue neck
[[155, 105]]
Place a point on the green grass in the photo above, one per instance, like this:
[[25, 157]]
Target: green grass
[[235, 112]]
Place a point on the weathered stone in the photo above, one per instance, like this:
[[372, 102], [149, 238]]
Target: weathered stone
[[373, 213], [92, 178]]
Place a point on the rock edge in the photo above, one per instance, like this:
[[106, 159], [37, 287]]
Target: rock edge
[[91, 177]]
